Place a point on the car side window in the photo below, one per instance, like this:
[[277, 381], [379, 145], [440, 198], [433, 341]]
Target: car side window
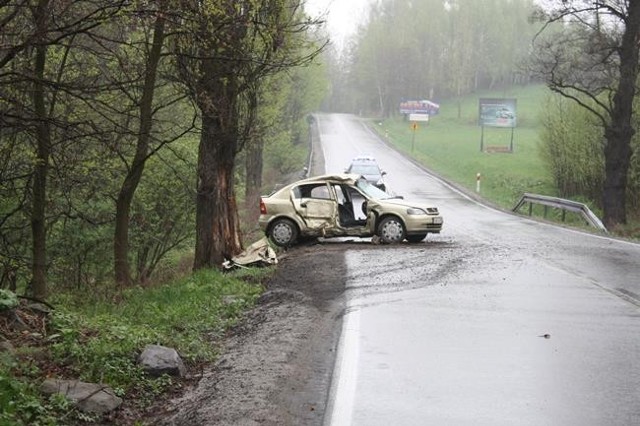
[[320, 191]]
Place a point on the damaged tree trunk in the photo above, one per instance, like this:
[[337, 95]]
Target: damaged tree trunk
[[217, 222]]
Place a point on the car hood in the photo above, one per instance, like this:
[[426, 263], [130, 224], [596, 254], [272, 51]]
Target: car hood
[[405, 203], [372, 178]]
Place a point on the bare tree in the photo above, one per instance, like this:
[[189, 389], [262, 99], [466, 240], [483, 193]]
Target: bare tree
[[592, 58]]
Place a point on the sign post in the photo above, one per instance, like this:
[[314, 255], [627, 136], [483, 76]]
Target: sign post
[[497, 112], [414, 127]]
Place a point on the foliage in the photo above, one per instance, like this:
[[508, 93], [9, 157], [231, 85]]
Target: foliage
[[92, 86], [99, 337], [8, 300], [432, 49], [591, 57], [571, 144], [21, 402], [96, 337]]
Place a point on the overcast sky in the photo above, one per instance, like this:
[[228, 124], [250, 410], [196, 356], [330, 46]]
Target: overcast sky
[[343, 16]]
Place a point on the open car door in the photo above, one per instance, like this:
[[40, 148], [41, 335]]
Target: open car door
[[316, 205]]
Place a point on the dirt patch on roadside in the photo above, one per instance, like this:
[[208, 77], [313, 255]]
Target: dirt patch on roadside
[[276, 367]]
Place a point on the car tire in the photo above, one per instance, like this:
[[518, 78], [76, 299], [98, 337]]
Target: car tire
[[416, 238], [391, 230], [283, 232]]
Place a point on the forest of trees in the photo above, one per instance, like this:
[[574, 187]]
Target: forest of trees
[[432, 49], [129, 128], [113, 119]]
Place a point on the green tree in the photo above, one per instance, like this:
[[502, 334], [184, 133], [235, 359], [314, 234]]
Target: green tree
[[226, 49], [152, 21], [435, 49], [593, 60], [38, 37]]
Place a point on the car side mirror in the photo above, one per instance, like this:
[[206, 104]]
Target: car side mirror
[[383, 173]]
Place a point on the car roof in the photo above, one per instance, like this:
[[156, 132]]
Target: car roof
[[348, 178], [337, 177]]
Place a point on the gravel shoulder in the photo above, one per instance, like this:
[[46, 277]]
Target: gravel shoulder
[[276, 367]]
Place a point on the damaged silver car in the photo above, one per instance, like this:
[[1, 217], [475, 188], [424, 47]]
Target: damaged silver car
[[343, 205]]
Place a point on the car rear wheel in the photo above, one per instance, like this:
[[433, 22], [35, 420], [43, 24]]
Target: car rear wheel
[[283, 232], [416, 238], [391, 230]]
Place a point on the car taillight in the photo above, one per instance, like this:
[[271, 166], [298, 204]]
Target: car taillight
[[263, 208]]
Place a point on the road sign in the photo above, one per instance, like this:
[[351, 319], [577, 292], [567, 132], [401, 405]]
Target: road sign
[[418, 117]]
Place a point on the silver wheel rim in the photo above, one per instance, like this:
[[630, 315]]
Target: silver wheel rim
[[282, 233], [392, 231]]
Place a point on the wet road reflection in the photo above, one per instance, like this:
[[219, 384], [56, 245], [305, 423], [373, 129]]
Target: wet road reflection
[[451, 331]]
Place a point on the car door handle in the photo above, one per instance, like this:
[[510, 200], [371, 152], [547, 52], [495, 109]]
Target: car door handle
[[303, 204]]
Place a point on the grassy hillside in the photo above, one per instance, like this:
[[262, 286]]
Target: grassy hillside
[[450, 145]]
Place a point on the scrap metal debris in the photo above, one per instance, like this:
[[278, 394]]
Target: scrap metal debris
[[259, 253]]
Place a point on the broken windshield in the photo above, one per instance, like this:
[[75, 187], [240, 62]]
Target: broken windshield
[[371, 190]]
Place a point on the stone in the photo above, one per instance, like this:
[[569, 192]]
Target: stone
[[157, 360], [88, 397]]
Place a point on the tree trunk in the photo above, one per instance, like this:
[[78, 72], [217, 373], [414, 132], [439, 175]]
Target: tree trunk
[[122, 269], [381, 101], [217, 223], [618, 134], [43, 152], [253, 166]]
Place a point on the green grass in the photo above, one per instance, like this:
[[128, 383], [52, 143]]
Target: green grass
[[94, 337], [450, 145]]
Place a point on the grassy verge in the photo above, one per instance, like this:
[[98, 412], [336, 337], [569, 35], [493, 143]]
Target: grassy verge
[[450, 145], [98, 339], [95, 334]]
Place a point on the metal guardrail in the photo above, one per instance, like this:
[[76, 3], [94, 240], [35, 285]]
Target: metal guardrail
[[564, 205]]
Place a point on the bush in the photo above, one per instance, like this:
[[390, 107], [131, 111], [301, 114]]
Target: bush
[[571, 144], [8, 300]]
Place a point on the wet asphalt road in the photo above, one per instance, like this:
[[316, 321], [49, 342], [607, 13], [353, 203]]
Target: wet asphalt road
[[499, 320]]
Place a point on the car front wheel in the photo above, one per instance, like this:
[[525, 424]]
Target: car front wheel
[[391, 230], [283, 232]]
